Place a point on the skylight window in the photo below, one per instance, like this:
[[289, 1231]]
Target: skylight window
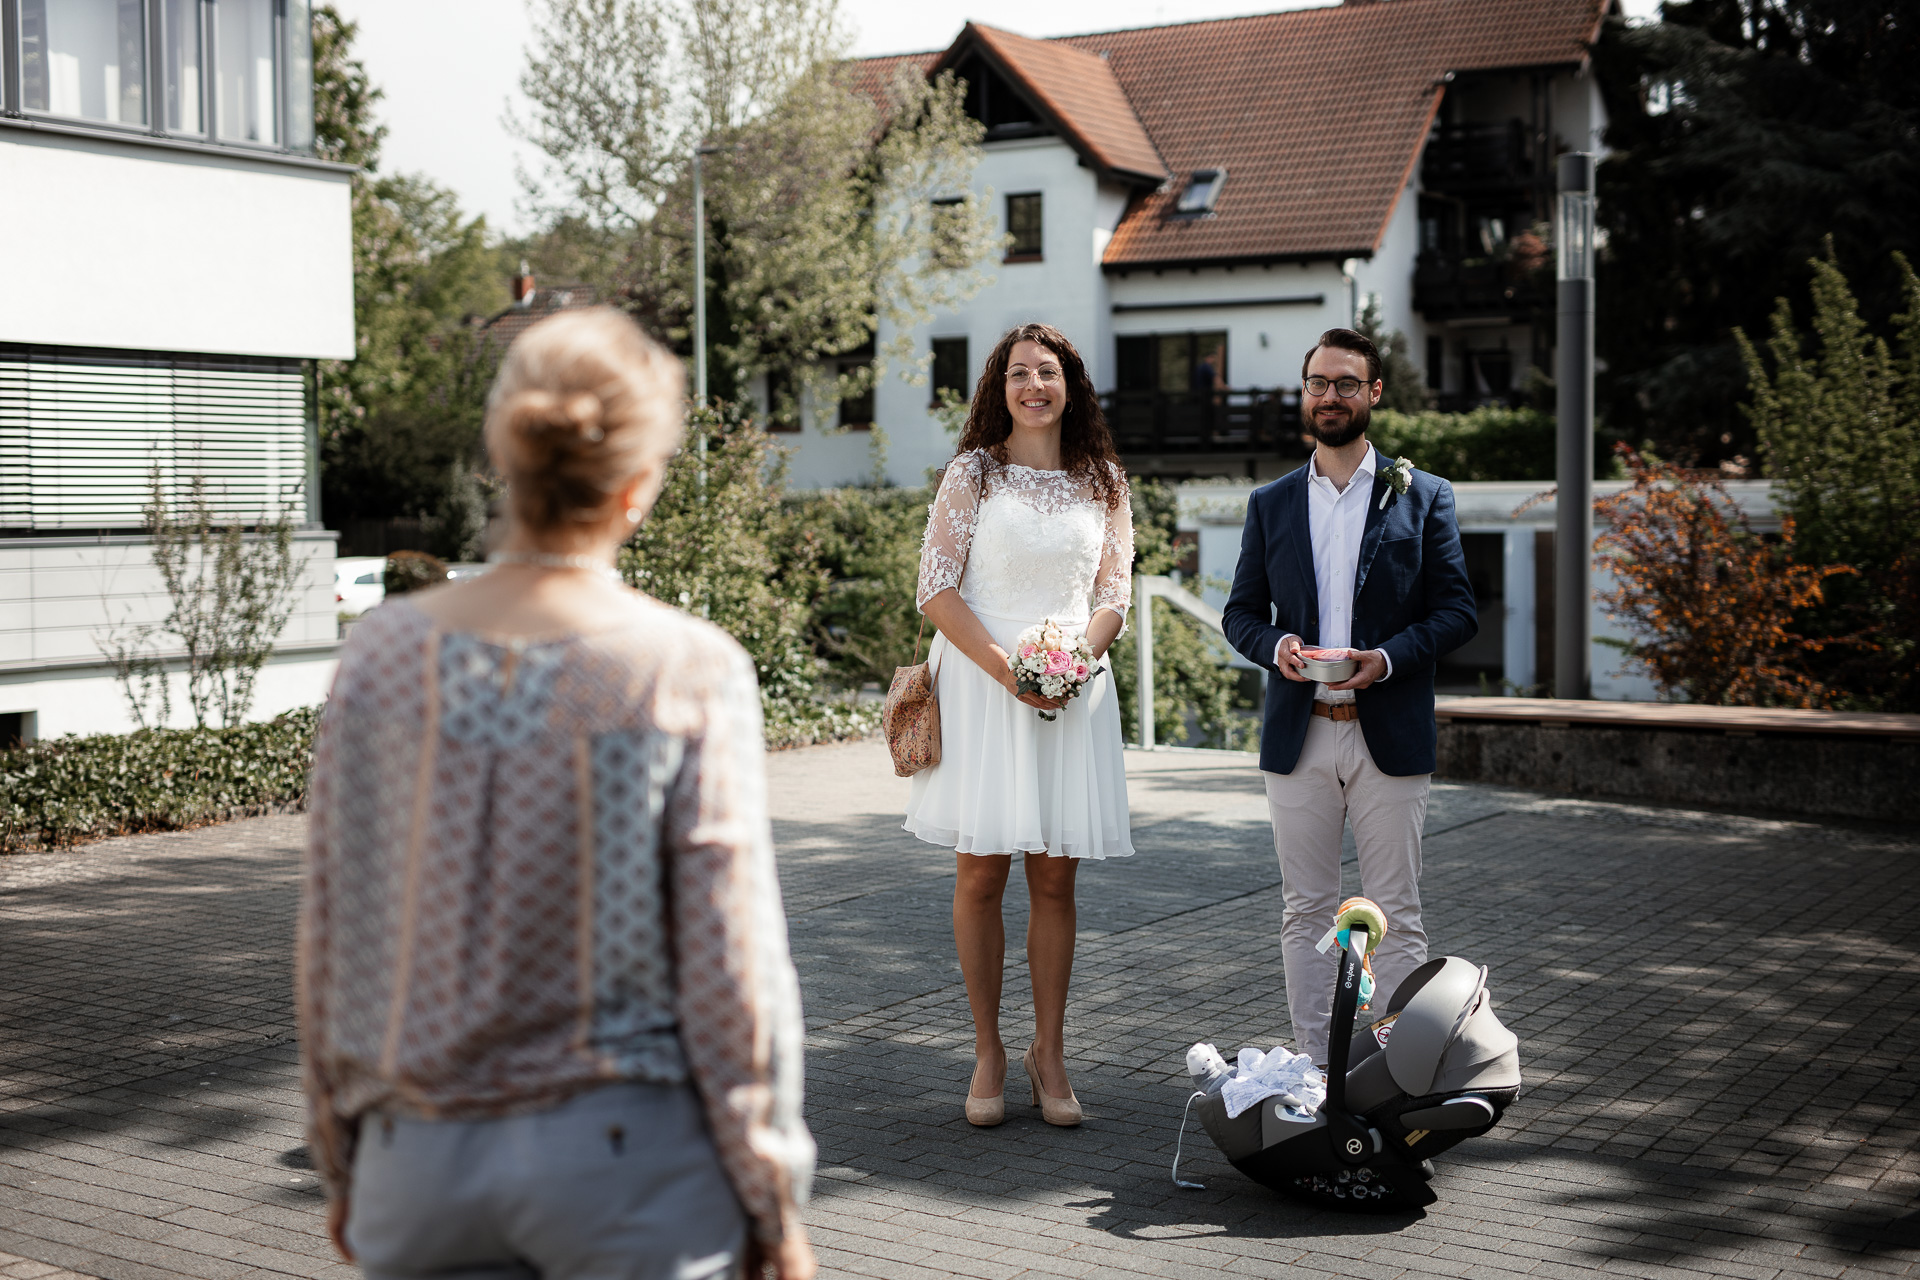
[[1203, 188]]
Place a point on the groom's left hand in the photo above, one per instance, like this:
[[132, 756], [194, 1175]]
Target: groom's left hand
[[1373, 666]]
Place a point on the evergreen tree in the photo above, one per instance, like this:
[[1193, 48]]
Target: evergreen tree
[[1742, 134], [1838, 423]]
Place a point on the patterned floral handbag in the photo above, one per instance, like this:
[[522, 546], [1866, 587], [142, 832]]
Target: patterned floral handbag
[[911, 716]]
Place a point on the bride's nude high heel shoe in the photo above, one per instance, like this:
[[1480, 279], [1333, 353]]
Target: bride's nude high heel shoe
[[1064, 1112], [986, 1112]]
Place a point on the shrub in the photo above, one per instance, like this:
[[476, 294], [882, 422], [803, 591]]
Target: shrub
[[1711, 603], [719, 545], [866, 544], [1191, 678], [1838, 419], [1489, 443], [65, 790], [412, 570]]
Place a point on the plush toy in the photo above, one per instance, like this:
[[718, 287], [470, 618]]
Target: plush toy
[[1367, 914]]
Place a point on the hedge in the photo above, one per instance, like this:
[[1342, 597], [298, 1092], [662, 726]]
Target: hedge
[[66, 790]]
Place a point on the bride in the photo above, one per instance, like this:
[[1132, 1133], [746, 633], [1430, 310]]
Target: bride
[[1031, 522]]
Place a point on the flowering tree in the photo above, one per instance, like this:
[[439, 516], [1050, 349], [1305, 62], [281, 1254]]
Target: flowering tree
[[1710, 602]]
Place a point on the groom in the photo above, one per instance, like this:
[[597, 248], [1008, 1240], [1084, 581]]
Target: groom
[[1335, 556]]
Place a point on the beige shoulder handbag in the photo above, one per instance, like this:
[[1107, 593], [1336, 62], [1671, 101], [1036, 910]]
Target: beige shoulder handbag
[[911, 716]]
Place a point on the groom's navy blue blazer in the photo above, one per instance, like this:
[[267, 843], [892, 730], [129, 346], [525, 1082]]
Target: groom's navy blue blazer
[[1411, 597]]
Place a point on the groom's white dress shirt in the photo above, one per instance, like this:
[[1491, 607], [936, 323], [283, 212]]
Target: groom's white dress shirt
[[1336, 522]]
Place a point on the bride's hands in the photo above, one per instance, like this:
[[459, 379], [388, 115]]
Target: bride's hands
[[1012, 686]]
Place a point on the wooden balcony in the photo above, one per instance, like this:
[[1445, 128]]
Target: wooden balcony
[[1246, 420]]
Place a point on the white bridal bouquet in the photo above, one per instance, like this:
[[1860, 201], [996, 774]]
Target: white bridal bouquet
[[1051, 663]]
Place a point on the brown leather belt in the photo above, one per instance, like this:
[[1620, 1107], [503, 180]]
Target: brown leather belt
[[1337, 710]]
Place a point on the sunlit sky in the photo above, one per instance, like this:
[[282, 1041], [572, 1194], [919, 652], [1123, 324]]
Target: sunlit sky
[[451, 69]]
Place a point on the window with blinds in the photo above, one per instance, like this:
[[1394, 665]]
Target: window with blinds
[[81, 433]]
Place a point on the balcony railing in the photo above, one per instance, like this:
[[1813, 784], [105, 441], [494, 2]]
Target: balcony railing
[[1448, 286], [1477, 157], [1243, 420]]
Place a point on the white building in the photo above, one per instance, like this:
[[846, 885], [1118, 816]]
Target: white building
[[173, 254], [1194, 204]]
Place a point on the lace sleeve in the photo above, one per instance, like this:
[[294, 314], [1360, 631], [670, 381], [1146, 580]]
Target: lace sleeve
[[1113, 581], [950, 521]]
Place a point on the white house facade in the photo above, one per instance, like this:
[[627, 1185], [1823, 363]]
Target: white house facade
[[175, 253], [1193, 204]]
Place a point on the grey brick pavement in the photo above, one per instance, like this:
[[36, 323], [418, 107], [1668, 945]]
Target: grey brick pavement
[[1719, 1016]]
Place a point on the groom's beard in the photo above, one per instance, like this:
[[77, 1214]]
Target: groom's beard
[[1337, 431]]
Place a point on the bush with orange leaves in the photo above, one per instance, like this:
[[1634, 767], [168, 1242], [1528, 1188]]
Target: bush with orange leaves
[[1711, 603]]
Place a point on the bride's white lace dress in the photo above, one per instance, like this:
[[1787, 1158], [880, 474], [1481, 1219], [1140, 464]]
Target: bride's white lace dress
[[1023, 546]]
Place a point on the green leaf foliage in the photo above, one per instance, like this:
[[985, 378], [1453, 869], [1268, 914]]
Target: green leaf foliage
[[399, 424], [1837, 417], [1742, 134], [1197, 698], [1492, 442], [866, 543], [64, 790], [719, 544]]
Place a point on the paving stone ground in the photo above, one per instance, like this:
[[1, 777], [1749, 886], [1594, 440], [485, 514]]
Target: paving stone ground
[[1719, 1018]]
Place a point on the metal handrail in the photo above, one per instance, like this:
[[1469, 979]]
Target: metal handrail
[[1145, 587]]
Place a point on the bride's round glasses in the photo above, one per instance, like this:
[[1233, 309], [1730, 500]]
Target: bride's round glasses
[[1046, 375], [1347, 388]]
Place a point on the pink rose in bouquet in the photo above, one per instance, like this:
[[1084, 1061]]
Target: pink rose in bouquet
[[1052, 663]]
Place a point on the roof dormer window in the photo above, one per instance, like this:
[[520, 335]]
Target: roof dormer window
[[1203, 188]]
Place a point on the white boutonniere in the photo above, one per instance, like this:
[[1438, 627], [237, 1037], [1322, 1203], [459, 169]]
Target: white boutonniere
[[1399, 477]]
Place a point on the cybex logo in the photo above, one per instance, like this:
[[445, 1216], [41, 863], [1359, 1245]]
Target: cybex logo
[[1355, 1146]]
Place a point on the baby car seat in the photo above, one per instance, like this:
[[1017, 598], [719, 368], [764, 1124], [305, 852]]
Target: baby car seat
[[1437, 1069]]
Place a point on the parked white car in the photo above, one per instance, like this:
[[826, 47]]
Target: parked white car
[[359, 583]]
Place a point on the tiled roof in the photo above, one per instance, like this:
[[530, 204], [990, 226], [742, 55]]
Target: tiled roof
[[502, 328], [869, 77], [1077, 90], [1317, 115]]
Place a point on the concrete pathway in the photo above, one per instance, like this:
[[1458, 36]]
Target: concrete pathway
[[1720, 1025]]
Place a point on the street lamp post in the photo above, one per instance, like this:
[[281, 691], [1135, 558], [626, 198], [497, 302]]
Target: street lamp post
[[1573, 406], [700, 307]]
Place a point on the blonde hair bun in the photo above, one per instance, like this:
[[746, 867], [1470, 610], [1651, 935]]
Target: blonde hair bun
[[583, 402]]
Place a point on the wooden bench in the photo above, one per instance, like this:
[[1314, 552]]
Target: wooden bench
[[1756, 759]]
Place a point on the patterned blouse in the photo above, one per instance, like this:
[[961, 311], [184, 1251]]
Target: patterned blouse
[[534, 867]]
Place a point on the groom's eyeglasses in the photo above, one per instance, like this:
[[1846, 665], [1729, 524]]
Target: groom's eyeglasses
[[1347, 388]]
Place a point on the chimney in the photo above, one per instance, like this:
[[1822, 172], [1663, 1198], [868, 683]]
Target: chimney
[[523, 286]]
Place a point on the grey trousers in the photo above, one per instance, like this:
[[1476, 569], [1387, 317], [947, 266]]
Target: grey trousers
[[620, 1183], [1335, 781]]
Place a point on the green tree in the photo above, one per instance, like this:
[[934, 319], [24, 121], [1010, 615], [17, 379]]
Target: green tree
[[819, 201], [1837, 418], [1742, 134], [399, 424], [1402, 390]]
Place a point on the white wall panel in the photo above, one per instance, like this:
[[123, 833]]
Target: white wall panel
[[110, 244]]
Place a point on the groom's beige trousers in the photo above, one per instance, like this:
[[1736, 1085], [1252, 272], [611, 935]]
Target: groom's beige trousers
[[1335, 781]]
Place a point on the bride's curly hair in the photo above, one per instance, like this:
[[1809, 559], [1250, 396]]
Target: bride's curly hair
[[1086, 445]]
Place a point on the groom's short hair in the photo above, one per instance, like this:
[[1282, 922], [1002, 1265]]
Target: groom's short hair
[[1345, 340]]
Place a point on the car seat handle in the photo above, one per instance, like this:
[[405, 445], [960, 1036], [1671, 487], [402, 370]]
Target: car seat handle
[[1346, 1002]]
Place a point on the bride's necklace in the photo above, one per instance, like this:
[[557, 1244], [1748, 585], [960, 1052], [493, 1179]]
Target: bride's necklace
[[555, 560]]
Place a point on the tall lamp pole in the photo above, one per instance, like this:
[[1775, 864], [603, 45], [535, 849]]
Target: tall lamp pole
[[1573, 407], [700, 306]]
